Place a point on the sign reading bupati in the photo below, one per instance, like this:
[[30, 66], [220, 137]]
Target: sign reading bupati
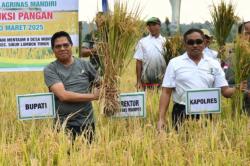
[[132, 105], [36, 106], [26, 29], [203, 101]]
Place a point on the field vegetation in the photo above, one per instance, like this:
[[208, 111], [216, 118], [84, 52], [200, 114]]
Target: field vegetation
[[222, 141]]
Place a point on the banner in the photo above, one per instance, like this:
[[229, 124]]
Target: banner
[[26, 29]]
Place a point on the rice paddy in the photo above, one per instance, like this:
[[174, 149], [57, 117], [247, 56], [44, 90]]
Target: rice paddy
[[222, 141]]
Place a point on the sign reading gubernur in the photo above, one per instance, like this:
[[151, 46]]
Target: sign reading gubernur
[[36, 106], [132, 105], [203, 101]]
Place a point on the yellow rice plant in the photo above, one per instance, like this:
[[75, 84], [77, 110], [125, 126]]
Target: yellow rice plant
[[221, 141], [118, 35], [223, 18], [173, 47], [241, 67]]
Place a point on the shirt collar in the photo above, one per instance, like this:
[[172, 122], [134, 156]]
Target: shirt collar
[[159, 37], [185, 56]]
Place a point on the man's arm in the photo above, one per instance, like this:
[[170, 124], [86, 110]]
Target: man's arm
[[163, 106], [227, 91], [68, 96], [138, 73]]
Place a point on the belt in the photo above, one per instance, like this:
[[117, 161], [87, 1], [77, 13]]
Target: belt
[[146, 85]]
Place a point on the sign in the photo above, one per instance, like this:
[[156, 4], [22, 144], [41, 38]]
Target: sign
[[36, 106], [132, 105], [203, 101], [26, 29]]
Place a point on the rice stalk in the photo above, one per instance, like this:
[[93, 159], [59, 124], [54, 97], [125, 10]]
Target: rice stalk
[[241, 67], [173, 47], [223, 19], [119, 34]]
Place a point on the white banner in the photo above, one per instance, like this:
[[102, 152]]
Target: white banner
[[44, 5], [26, 28], [30, 41]]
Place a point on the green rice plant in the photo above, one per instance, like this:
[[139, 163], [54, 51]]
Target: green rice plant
[[223, 18], [119, 34], [241, 67]]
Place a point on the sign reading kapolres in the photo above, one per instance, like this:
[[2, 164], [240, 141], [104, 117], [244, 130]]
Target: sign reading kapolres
[[26, 29]]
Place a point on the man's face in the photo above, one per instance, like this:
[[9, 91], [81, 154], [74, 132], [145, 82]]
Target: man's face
[[207, 41], [194, 44], [62, 49], [154, 29], [247, 31]]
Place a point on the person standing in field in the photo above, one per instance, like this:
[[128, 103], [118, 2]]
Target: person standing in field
[[244, 32], [208, 38], [150, 63], [89, 48], [192, 70], [71, 80]]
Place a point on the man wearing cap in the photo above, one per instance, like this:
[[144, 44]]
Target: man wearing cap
[[150, 63], [207, 41]]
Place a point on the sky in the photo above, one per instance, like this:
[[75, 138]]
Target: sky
[[191, 10]]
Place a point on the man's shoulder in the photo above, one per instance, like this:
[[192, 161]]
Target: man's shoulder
[[84, 63], [214, 51], [80, 60], [51, 65], [180, 57], [145, 38], [212, 61]]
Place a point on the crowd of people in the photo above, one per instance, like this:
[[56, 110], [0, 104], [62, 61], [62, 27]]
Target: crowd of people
[[72, 79]]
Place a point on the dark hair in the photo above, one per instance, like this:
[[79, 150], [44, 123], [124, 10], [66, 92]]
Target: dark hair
[[242, 27], [60, 34], [192, 30]]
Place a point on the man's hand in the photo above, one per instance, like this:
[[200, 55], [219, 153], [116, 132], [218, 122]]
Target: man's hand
[[243, 86], [96, 93], [139, 86], [161, 125], [86, 52]]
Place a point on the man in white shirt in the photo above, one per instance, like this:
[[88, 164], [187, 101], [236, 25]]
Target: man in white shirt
[[207, 41], [150, 63], [192, 70]]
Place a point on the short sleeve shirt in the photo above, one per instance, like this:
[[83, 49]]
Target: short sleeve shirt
[[211, 53], [149, 50], [76, 78], [182, 74]]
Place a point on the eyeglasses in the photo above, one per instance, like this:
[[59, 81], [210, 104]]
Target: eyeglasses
[[64, 45], [193, 42]]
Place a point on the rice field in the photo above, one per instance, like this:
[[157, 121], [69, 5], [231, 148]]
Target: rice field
[[222, 141]]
